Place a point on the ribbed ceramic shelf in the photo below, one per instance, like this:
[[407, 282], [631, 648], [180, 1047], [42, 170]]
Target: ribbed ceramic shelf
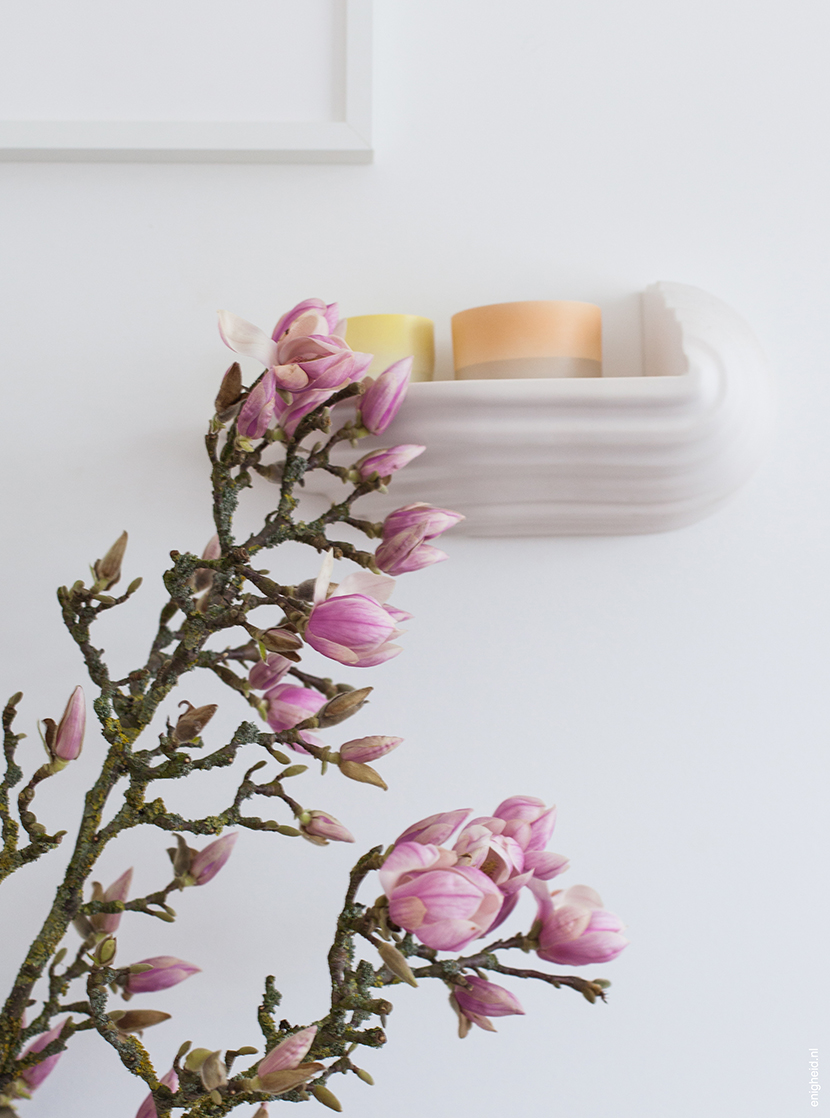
[[597, 456]]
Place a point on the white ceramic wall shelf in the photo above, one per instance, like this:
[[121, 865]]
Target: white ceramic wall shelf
[[598, 456]]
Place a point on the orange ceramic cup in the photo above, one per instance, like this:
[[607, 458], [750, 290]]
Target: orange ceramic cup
[[534, 339]]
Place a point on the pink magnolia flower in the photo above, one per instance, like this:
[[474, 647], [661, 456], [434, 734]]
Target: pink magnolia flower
[[384, 463], [528, 821], [325, 362], [289, 1053], [435, 829], [405, 532], [35, 1075], [245, 338], [445, 905], [481, 844], [576, 930], [311, 316], [209, 861], [351, 625], [382, 400], [119, 891], [288, 705], [320, 827], [69, 737], [479, 1000], [167, 971], [267, 673], [363, 750], [148, 1107], [256, 413]]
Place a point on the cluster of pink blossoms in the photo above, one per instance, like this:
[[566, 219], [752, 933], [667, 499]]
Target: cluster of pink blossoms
[[306, 363], [448, 898]]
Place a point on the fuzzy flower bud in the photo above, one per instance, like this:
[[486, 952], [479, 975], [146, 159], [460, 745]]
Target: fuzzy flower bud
[[230, 392], [165, 971], [384, 463], [108, 570], [69, 737], [193, 721], [363, 774], [148, 1107], [320, 827], [382, 400], [279, 640], [363, 750], [136, 1020], [343, 706]]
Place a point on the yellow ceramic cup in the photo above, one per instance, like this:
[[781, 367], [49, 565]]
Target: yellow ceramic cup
[[534, 339], [393, 336]]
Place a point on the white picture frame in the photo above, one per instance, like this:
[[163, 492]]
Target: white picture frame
[[336, 141]]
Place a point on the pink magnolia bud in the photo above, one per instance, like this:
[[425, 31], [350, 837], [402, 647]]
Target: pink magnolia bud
[[430, 521], [435, 829], [407, 552], [352, 629], [445, 905], [35, 1075], [320, 827], [69, 737], [480, 998], [383, 463], [167, 971], [380, 403], [288, 705], [209, 861], [576, 930], [119, 891], [268, 673], [363, 750], [256, 413], [148, 1107], [289, 1053]]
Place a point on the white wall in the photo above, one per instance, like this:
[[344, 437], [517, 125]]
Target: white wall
[[668, 692]]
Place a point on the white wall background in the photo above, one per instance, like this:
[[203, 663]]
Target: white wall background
[[668, 692]]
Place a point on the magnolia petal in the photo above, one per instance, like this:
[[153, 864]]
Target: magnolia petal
[[245, 338], [371, 585], [289, 1053]]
